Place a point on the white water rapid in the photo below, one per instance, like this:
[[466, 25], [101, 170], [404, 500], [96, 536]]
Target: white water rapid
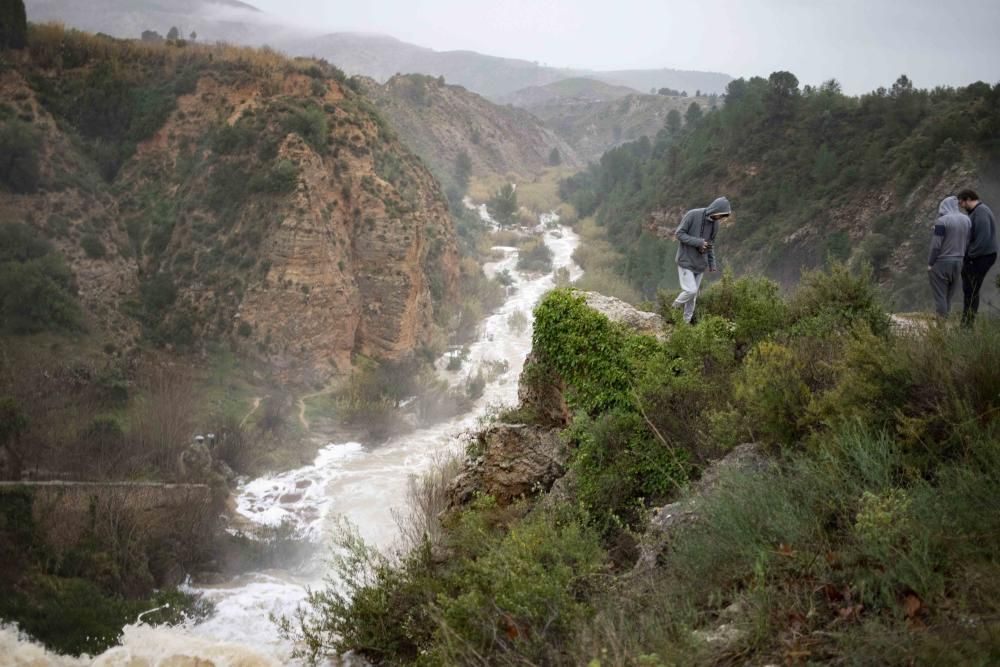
[[346, 481]]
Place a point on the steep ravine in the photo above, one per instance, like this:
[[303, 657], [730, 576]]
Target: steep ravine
[[347, 481]]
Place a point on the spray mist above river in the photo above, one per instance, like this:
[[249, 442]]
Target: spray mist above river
[[364, 486]]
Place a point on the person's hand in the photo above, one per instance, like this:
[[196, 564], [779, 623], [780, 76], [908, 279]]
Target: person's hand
[[712, 269], [705, 245], [930, 267]]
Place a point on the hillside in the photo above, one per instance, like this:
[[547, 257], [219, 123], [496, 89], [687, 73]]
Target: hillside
[[813, 175], [380, 57], [579, 89], [210, 194], [212, 20], [786, 481], [593, 126], [439, 121]]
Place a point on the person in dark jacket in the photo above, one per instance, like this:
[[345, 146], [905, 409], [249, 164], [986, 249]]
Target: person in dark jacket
[[948, 245], [696, 250], [980, 256]]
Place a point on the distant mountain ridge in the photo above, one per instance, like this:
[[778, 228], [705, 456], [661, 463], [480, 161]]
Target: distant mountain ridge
[[380, 57], [373, 55]]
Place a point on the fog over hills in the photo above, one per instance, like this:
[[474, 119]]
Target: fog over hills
[[374, 55]]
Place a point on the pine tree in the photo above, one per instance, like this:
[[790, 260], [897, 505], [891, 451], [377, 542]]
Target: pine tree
[[555, 159], [13, 24]]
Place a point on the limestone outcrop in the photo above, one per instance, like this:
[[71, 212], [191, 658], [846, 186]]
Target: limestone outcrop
[[516, 460]]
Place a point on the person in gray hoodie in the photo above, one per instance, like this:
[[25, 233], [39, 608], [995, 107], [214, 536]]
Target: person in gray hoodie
[[696, 250], [949, 243], [980, 256]]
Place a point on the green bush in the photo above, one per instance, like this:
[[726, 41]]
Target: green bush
[[754, 305], [534, 256], [37, 289], [19, 166], [310, 124], [514, 596], [92, 246]]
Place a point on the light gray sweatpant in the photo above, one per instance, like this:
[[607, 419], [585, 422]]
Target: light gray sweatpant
[[690, 283], [944, 277]]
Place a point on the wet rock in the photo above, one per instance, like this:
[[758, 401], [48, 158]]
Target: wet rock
[[290, 498], [517, 460]]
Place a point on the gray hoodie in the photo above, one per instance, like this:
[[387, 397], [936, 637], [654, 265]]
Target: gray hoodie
[[951, 232], [697, 227]]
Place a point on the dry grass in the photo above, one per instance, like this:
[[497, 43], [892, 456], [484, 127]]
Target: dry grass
[[51, 44]]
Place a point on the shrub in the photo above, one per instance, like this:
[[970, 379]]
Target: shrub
[[92, 246], [37, 289], [512, 596], [534, 255], [310, 124], [754, 305], [19, 167], [836, 300], [771, 388]]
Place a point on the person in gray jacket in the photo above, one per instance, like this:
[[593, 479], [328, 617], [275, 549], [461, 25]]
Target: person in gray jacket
[[980, 256], [948, 246], [696, 250]]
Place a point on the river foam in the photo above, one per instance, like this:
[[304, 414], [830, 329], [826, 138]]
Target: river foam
[[347, 481]]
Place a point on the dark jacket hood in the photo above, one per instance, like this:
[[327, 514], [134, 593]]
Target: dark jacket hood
[[721, 205]]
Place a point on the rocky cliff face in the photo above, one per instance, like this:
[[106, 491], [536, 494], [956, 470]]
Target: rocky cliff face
[[438, 121], [269, 205]]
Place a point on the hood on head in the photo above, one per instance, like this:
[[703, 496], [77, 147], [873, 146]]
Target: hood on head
[[720, 205], [948, 205]]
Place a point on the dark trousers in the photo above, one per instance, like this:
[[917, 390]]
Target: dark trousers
[[973, 275]]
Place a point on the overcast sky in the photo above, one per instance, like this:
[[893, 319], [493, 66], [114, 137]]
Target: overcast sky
[[864, 44]]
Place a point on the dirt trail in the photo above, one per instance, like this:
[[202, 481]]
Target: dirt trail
[[302, 404], [253, 409]]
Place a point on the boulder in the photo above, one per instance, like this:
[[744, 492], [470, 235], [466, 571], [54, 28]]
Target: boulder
[[517, 460], [617, 310]]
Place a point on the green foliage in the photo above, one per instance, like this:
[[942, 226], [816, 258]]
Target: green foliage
[[516, 596], [503, 205], [754, 305], [586, 350], [620, 466], [463, 170], [310, 124], [37, 289], [19, 147], [92, 246], [13, 25], [534, 255]]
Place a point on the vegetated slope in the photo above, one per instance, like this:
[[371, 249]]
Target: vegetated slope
[[217, 194], [812, 174], [580, 90], [439, 121], [224, 20], [765, 486], [381, 57], [593, 126]]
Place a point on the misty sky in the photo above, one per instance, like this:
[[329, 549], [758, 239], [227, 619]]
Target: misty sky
[[864, 44]]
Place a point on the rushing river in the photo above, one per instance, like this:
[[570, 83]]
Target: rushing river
[[346, 481]]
